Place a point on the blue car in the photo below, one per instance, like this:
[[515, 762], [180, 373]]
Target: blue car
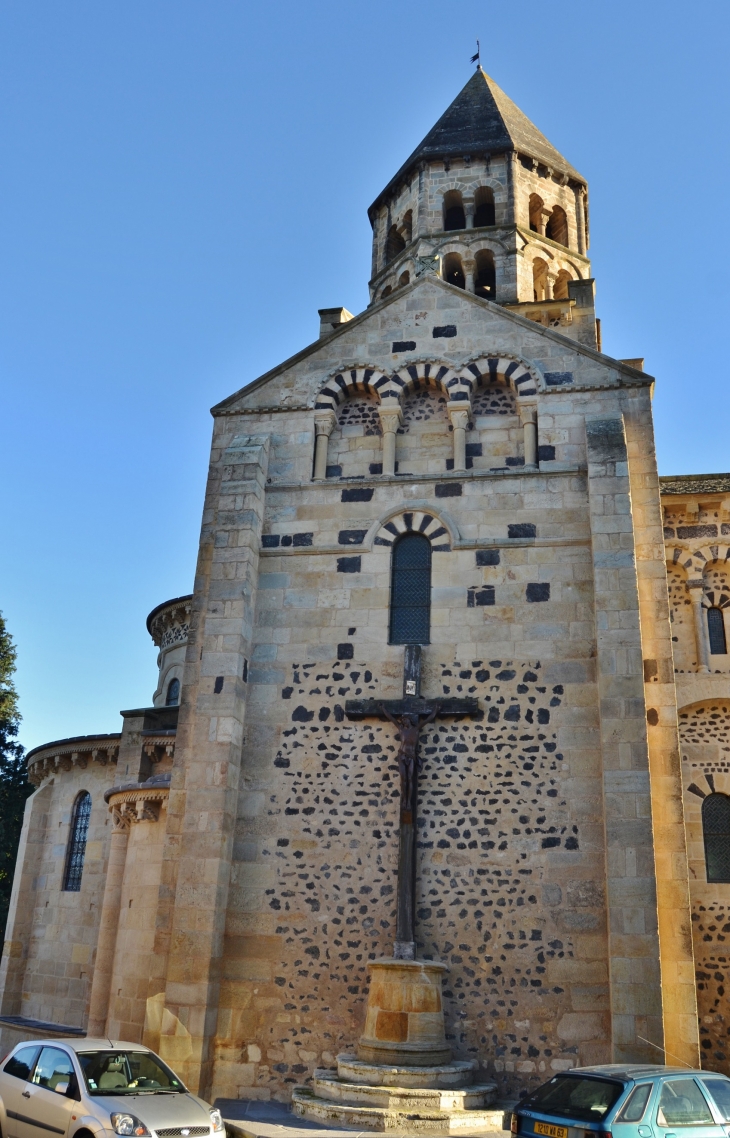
[[624, 1100]]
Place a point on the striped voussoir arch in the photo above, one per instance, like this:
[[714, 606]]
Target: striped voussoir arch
[[349, 381], [423, 374], [696, 564], [492, 369], [418, 521]]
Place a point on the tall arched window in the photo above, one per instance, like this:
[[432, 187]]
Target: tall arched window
[[537, 224], [453, 270], [173, 693], [484, 207], [394, 244], [560, 288], [77, 843], [716, 832], [485, 279], [557, 226], [454, 217], [410, 590], [539, 279], [716, 631]]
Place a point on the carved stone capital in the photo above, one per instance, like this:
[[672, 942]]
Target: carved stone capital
[[391, 418], [459, 414], [324, 422], [527, 413]]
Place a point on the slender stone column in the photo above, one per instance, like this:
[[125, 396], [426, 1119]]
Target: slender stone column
[[324, 422], [469, 210], [391, 419], [459, 413], [696, 592], [108, 926], [580, 218], [528, 415]]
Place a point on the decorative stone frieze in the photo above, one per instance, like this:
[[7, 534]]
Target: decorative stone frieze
[[169, 623], [71, 754], [137, 801]]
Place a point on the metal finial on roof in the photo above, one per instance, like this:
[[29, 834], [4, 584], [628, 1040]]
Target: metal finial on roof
[[476, 58]]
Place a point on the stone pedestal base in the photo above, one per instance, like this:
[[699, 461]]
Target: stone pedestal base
[[404, 1025], [402, 1078]]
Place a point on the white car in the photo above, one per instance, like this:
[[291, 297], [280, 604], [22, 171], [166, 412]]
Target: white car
[[95, 1087]]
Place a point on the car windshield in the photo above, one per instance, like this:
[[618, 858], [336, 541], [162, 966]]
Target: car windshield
[[127, 1073], [574, 1096]]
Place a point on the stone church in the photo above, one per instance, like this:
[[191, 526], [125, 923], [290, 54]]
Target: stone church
[[461, 467]]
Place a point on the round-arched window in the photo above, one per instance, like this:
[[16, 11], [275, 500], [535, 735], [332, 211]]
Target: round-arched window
[[410, 590], [76, 850], [716, 832], [172, 698]]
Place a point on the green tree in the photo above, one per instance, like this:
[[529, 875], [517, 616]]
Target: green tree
[[14, 785]]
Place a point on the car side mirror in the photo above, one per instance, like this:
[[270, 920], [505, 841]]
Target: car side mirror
[[61, 1088]]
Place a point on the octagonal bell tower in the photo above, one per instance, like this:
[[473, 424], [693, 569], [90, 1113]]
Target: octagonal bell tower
[[495, 205]]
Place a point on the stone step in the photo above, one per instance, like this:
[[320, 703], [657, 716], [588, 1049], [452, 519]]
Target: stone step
[[459, 1073], [421, 1121], [327, 1085]]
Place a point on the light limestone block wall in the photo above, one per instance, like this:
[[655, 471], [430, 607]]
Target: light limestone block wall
[[58, 929]]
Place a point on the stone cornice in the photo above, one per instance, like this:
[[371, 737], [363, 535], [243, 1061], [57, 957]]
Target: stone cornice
[[70, 754]]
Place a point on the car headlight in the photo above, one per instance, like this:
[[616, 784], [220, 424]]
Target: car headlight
[[129, 1124], [216, 1121]]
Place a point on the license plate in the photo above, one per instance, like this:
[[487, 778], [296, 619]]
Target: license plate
[[551, 1131]]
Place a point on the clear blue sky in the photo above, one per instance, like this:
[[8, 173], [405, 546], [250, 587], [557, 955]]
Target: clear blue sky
[[185, 183]]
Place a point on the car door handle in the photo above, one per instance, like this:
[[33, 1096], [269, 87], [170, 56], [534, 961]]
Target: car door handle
[[644, 1132], [26, 1094]]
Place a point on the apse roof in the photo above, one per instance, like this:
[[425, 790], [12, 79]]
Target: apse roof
[[694, 484], [482, 120]]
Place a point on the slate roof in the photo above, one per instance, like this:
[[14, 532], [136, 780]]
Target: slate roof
[[695, 484], [482, 120]]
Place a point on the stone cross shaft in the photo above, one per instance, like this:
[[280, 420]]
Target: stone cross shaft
[[409, 715]]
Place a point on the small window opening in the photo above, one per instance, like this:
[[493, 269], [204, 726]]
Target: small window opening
[[394, 245], [539, 279], [536, 208], [716, 630], [76, 850], [560, 288], [386, 291], [485, 280], [410, 590], [716, 832], [484, 203], [557, 226], [453, 270], [407, 227], [454, 217], [404, 278], [173, 693]]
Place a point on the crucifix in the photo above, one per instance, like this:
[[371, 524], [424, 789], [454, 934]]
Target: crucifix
[[409, 715]]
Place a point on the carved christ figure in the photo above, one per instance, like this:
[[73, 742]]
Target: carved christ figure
[[409, 728]]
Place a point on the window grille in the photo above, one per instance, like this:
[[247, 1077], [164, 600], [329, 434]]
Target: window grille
[[410, 590], [173, 693], [716, 629], [716, 830], [77, 843]]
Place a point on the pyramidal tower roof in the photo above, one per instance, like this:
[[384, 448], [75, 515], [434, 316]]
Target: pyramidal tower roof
[[482, 120]]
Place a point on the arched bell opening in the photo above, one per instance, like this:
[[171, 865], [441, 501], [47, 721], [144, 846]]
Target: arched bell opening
[[394, 244], [454, 216], [560, 288], [540, 279], [485, 277], [484, 207], [557, 226], [536, 207], [453, 270]]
